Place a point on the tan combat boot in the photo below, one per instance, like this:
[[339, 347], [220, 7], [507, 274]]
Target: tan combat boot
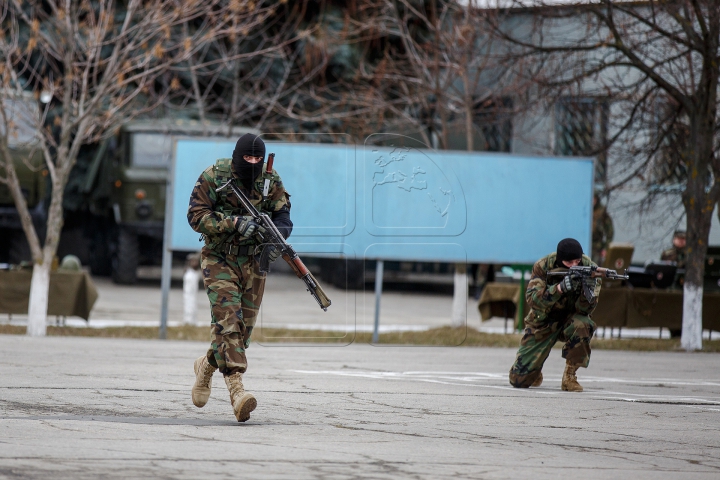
[[203, 381], [538, 381], [569, 380], [243, 403]]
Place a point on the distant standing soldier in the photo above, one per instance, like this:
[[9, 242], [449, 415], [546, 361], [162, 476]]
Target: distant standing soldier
[[559, 311], [603, 231], [676, 253], [229, 264]]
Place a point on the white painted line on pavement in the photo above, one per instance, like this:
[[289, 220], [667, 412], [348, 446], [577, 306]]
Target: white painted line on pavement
[[463, 379]]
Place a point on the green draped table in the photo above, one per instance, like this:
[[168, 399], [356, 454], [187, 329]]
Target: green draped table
[[618, 307], [72, 294]]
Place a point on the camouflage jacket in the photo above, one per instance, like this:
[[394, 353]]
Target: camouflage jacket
[[674, 254], [547, 302], [213, 214]]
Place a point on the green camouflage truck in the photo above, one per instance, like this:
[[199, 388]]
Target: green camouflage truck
[[26, 156], [124, 193], [114, 202]]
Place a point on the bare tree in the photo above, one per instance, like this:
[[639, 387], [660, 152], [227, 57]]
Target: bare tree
[[657, 63], [446, 75], [238, 76], [96, 64], [330, 72], [444, 82]]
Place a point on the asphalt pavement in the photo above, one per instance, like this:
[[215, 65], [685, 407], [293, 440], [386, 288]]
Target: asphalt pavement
[[112, 408]]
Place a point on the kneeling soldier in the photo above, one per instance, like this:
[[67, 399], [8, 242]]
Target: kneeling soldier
[[229, 264], [558, 311]]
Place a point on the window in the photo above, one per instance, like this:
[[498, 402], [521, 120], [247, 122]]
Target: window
[[581, 130], [671, 133], [493, 117], [151, 150], [21, 114]]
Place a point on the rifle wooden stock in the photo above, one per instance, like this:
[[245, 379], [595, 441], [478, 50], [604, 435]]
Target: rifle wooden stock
[[297, 265]]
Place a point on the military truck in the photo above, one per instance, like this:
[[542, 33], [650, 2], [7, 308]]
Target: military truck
[[27, 158], [125, 186]]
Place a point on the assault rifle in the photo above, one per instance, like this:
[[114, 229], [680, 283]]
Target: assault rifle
[[272, 236], [583, 273]]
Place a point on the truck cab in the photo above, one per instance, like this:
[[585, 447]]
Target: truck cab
[[27, 158], [137, 174]]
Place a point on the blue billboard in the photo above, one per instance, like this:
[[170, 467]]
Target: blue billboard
[[405, 203]]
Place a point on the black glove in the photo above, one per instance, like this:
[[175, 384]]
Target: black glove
[[273, 252], [247, 227], [567, 284], [571, 283]]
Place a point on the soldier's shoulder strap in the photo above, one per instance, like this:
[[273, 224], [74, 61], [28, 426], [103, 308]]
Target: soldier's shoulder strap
[[223, 173], [223, 170]]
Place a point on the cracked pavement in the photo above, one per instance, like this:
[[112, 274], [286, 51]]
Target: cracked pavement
[[113, 408]]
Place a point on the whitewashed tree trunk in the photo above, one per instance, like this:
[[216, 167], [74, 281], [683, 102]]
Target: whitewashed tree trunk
[[191, 278], [460, 296], [37, 309], [691, 338]]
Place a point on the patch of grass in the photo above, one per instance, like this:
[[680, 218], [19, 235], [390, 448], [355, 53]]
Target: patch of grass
[[444, 336]]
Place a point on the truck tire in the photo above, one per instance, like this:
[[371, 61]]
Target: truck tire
[[100, 258], [19, 250], [126, 258], [349, 274]]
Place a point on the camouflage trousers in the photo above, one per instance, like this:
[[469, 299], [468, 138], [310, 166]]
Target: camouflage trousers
[[575, 330], [235, 289]]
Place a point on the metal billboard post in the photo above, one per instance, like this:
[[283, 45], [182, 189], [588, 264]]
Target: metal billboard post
[[378, 294], [166, 276]]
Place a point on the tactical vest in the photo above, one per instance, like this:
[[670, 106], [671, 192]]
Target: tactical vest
[[223, 173]]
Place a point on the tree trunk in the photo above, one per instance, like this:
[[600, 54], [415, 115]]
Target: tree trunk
[[40, 283], [468, 113], [698, 221], [37, 308], [692, 317], [460, 296], [699, 204]]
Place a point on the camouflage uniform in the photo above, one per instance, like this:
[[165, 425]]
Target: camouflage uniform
[[603, 231], [679, 256], [674, 254], [553, 316], [232, 280]]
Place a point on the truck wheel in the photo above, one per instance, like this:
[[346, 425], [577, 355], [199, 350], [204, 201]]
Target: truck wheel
[[19, 250], [349, 274], [126, 259], [100, 258]]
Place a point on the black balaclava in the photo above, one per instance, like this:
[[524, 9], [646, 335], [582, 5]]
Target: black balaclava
[[252, 145], [568, 249]]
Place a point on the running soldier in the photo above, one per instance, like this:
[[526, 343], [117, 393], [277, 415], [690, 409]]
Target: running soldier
[[558, 311], [230, 268]]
